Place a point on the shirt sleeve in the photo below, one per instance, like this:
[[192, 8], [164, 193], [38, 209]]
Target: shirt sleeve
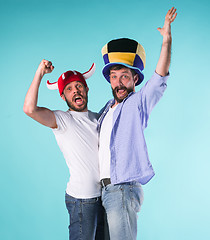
[[150, 94], [60, 121]]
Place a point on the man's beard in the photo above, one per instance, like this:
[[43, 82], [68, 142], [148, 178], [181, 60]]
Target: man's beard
[[76, 108], [114, 92]]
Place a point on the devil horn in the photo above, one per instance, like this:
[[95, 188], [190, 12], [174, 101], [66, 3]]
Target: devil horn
[[52, 86], [90, 72]]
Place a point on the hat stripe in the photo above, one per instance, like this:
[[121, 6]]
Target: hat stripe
[[104, 50], [106, 59], [138, 62], [127, 58], [124, 45], [141, 52]]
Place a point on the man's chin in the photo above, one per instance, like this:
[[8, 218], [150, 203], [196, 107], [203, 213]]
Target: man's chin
[[78, 108], [119, 98]]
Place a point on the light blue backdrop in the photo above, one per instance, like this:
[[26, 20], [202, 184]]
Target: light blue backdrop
[[71, 34]]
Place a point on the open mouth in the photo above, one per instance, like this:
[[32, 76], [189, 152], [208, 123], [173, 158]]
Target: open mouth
[[121, 91], [78, 100]]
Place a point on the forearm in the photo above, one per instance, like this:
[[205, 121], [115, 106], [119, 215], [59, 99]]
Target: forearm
[[42, 115], [165, 57], [30, 103], [165, 54]]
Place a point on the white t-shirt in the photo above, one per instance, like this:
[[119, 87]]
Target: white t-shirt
[[104, 144], [77, 138]]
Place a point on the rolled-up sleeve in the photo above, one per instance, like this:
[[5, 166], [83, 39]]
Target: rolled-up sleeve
[[150, 94]]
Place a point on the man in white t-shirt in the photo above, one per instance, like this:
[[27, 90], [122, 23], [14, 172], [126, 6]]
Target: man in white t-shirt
[[76, 134]]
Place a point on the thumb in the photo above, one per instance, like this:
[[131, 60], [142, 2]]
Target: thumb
[[159, 29]]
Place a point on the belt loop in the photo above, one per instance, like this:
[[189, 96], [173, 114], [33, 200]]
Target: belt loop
[[102, 183]]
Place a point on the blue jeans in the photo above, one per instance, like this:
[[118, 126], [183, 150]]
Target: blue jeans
[[87, 218], [122, 202]]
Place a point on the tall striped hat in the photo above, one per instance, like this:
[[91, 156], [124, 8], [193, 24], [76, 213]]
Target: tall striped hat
[[126, 52]]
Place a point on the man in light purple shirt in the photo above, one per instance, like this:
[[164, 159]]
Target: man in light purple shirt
[[124, 162]]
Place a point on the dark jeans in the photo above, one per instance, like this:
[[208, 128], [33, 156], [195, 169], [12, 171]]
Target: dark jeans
[[87, 219]]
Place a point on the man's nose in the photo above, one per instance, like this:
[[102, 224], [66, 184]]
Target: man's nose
[[120, 81], [75, 90]]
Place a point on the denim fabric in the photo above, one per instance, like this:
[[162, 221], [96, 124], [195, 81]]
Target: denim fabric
[[122, 202], [87, 219]]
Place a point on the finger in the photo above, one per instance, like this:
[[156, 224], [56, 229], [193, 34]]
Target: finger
[[169, 13], [171, 10], [173, 18], [44, 62], [48, 64], [172, 15]]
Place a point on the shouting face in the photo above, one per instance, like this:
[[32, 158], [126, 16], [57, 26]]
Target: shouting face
[[75, 95], [122, 83]]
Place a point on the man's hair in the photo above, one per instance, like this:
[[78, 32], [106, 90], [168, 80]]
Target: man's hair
[[118, 67]]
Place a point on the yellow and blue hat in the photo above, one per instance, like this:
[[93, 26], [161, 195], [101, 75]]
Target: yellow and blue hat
[[126, 52]]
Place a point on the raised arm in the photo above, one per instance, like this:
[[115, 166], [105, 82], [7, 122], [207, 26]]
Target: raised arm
[[165, 55], [40, 114]]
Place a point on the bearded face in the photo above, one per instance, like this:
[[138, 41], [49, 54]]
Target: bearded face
[[75, 95], [122, 83]]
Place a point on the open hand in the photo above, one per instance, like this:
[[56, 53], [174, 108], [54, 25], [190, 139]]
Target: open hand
[[165, 31]]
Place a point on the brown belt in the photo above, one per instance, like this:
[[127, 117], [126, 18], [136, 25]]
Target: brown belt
[[105, 182]]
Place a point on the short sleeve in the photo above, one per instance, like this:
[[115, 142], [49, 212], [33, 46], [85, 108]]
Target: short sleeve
[[60, 121]]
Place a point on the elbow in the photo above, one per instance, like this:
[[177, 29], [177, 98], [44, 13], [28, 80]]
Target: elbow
[[28, 110]]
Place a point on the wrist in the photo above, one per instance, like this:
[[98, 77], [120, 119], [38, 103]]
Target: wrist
[[167, 39], [40, 73]]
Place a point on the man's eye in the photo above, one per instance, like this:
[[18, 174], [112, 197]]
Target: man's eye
[[125, 76], [113, 77]]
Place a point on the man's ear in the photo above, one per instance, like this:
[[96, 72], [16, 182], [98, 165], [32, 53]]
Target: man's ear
[[87, 89], [136, 78], [63, 97]]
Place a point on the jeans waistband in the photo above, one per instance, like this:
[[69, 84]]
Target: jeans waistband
[[106, 181]]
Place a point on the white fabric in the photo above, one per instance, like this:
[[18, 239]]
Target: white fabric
[[104, 144], [77, 138]]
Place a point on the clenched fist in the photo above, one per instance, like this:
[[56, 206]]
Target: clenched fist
[[45, 67]]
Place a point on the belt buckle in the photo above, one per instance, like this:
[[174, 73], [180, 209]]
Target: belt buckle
[[105, 182]]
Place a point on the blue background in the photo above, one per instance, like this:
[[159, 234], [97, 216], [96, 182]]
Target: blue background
[[71, 34]]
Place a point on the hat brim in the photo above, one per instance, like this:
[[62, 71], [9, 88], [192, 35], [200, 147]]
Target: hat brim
[[106, 71]]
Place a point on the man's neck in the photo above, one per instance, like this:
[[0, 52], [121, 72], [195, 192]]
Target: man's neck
[[85, 110], [115, 104]]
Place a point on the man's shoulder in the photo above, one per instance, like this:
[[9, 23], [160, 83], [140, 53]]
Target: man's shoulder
[[62, 115], [93, 115]]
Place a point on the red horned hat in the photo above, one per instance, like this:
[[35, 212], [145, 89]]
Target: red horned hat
[[71, 76]]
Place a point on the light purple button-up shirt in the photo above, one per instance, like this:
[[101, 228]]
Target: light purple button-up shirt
[[129, 156]]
